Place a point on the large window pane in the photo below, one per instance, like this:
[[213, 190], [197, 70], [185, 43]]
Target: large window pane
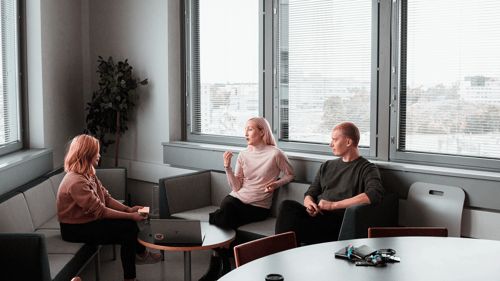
[[450, 77], [9, 99], [225, 66], [324, 68]]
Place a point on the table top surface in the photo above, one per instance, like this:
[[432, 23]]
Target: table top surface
[[215, 237], [422, 258]]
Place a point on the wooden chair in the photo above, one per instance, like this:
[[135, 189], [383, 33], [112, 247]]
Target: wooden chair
[[253, 250], [76, 279], [375, 232]]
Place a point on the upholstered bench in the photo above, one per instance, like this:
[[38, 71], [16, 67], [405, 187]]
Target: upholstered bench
[[195, 195], [30, 239]]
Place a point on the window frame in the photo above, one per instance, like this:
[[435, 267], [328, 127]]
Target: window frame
[[385, 95], [21, 83], [370, 151], [458, 161], [190, 13]]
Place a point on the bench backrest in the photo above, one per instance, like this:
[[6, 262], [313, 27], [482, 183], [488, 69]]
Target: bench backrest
[[291, 191]]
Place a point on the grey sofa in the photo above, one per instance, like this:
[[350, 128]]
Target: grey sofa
[[30, 238], [195, 195]]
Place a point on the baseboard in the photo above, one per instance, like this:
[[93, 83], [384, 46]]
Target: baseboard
[[149, 172], [475, 223]]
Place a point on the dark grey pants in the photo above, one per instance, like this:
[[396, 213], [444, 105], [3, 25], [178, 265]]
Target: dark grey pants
[[310, 230]]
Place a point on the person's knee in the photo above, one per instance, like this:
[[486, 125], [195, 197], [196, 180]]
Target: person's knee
[[287, 205]]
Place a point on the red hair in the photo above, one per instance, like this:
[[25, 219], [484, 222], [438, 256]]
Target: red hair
[[82, 151]]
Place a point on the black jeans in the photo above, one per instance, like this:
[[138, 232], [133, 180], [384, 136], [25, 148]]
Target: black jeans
[[233, 213], [293, 216], [108, 232]]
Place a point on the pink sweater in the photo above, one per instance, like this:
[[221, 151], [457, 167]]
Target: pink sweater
[[82, 198], [254, 170]]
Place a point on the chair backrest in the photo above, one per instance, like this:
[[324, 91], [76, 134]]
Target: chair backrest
[[432, 205], [76, 279], [374, 232], [259, 248]]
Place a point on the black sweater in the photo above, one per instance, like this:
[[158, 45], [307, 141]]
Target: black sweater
[[337, 180]]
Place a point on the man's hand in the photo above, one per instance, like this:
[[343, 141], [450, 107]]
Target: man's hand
[[270, 187], [326, 205], [311, 207]]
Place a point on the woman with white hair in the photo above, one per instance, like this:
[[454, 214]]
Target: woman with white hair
[[253, 182]]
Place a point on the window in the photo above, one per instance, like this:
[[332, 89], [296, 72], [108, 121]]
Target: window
[[223, 60], [10, 131], [423, 86], [448, 80], [324, 69]]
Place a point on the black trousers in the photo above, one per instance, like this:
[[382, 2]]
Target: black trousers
[[108, 232], [233, 213], [293, 216]]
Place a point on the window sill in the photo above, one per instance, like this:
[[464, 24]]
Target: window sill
[[20, 167], [318, 158]]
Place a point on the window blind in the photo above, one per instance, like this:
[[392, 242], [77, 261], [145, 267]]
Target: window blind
[[9, 100], [225, 66], [324, 68], [449, 78]]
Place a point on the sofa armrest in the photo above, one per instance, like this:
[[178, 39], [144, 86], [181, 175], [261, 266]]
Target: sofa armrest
[[358, 218], [183, 193], [22, 251]]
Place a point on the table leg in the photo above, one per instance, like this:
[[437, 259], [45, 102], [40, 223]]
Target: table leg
[[187, 266]]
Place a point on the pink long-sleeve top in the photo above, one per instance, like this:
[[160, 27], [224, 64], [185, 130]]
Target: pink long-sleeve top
[[82, 198], [254, 170]]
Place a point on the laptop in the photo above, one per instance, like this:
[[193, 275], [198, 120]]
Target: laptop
[[177, 232]]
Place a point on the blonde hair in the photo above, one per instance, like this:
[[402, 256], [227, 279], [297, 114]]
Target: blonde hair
[[262, 124], [81, 152]]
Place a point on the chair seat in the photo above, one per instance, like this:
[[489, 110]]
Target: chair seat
[[200, 214], [53, 223], [55, 243], [265, 227]]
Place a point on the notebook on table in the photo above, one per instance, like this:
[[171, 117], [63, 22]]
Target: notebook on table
[[176, 232]]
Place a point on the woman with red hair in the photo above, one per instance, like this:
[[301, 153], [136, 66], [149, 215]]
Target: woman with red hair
[[88, 214], [255, 178]]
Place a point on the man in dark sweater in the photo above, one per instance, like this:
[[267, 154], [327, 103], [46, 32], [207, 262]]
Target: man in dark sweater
[[339, 184]]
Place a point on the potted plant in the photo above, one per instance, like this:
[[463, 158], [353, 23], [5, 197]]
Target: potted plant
[[107, 112]]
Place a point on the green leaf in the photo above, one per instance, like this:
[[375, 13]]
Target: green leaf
[[144, 82], [118, 98], [131, 92]]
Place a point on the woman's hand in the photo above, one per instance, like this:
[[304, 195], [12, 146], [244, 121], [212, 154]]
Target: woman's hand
[[137, 217], [227, 158], [135, 209], [270, 187]]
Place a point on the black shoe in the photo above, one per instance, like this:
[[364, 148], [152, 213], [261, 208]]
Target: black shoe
[[213, 271], [226, 265]]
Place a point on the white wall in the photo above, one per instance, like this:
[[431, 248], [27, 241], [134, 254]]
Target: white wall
[[137, 31], [55, 86]]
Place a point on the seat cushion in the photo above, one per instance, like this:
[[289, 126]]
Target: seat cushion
[[15, 215], [41, 202], [56, 180], [200, 214], [53, 223], [56, 245], [264, 228]]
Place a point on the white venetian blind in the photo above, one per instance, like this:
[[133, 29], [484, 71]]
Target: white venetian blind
[[225, 66], [324, 68], [449, 77], [9, 99]]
